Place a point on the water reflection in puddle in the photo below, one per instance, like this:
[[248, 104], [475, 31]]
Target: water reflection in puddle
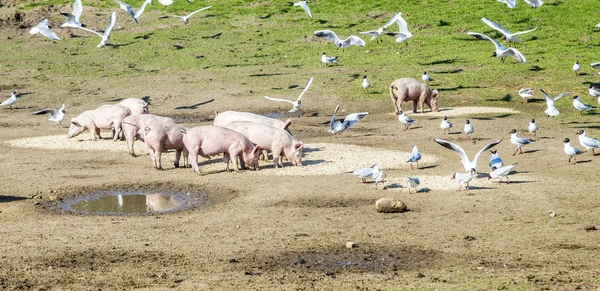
[[127, 203]]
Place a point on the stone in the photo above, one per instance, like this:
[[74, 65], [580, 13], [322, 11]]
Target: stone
[[390, 205], [351, 245]]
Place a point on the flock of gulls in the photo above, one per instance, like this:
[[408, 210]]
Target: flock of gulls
[[336, 126]]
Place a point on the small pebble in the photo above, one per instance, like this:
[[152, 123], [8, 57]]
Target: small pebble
[[552, 214], [590, 228], [351, 245]]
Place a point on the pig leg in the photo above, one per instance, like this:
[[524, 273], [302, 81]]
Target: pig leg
[[130, 146], [415, 105], [242, 163], [152, 155], [226, 158], [193, 158], [157, 156], [118, 130], [94, 131], [265, 155], [177, 157], [422, 100], [185, 158]]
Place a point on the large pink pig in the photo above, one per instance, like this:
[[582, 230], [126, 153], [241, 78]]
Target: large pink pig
[[280, 142], [409, 89], [136, 105], [223, 118], [211, 140], [103, 117], [160, 137], [134, 126]]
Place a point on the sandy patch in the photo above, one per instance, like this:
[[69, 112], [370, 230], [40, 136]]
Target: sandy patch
[[80, 143], [444, 183], [459, 111]]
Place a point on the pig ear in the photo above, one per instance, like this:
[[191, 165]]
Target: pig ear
[[75, 123], [434, 94], [256, 149], [298, 145], [287, 124]]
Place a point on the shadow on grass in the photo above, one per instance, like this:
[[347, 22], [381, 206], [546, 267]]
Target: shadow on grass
[[446, 61], [267, 75], [145, 36], [459, 87], [214, 35], [535, 68], [449, 72], [505, 98]]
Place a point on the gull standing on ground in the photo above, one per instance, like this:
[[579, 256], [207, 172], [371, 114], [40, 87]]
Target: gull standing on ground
[[588, 142], [551, 110], [73, 18], [328, 60], [571, 151], [464, 178], [364, 173], [576, 68], [500, 51], [426, 78], [298, 103], [467, 164], [43, 29], [532, 128], [186, 18], [510, 3], [414, 157], [445, 124], [403, 33], [55, 115], [518, 141], [365, 82], [593, 92], [525, 94], [336, 126], [379, 177], [412, 182], [501, 172], [535, 3], [346, 43], [10, 101], [407, 121], [580, 105], [495, 160], [468, 129], [135, 15], [106, 36], [507, 34], [304, 6]]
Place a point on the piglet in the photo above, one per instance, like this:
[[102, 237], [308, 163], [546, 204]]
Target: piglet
[[103, 117]]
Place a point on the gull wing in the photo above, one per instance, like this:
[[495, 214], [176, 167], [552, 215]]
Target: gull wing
[[77, 9], [549, 100], [482, 36], [111, 23], [525, 91], [304, 6], [89, 30], [523, 32], [165, 2], [204, 8], [283, 100], [393, 19], [595, 65], [353, 118], [355, 40], [305, 88], [402, 25], [141, 10], [174, 16], [45, 31], [127, 9], [52, 112], [494, 25], [513, 52], [561, 95], [370, 32], [333, 121], [456, 148], [327, 34], [485, 148]]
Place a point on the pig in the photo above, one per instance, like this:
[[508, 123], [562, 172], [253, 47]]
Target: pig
[[210, 140], [136, 105], [135, 124], [160, 137], [103, 117], [409, 89], [223, 118], [280, 142]]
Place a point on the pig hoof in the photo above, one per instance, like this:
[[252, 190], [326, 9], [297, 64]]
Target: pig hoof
[[177, 166]]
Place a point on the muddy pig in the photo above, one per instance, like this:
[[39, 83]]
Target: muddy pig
[[103, 117]]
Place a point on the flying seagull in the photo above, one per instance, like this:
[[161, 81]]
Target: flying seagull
[[336, 126], [186, 18], [304, 6], [551, 109], [535, 3], [507, 34], [467, 164], [43, 29], [135, 15], [55, 115], [346, 43], [403, 33], [375, 34], [73, 18], [510, 3], [106, 36], [500, 51], [298, 103], [525, 94]]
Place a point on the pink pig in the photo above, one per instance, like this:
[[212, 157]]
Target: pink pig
[[103, 117], [136, 105], [280, 142], [223, 118], [409, 89], [160, 137], [134, 127], [211, 140]]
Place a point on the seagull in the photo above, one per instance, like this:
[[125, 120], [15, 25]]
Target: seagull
[[414, 157], [412, 182], [571, 151], [501, 172], [576, 67], [510, 3], [532, 128], [106, 36], [298, 103], [55, 115], [495, 160], [73, 18], [588, 142], [365, 82], [346, 43], [501, 51], [127, 8], [468, 129], [166, 2], [593, 92], [464, 178], [42, 27], [328, 60], [580, 105], [445, 124], [403, 33], [379, 177], [364, 173], [426, 78], [375, 34], [186, 19], [551, 110], [407, 121], [596, 65], [525, 94], [507, 34], [467, 164], [535, 3], [336, 126], [518, 141], [304, 6], [10, 101]]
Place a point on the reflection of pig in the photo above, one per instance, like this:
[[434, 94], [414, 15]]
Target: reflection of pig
[[409, 89], [136, 105], [134, 127], [270, 138], [160, 137], [223, 118], [103, 117], [158, 202], [212, 140]]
